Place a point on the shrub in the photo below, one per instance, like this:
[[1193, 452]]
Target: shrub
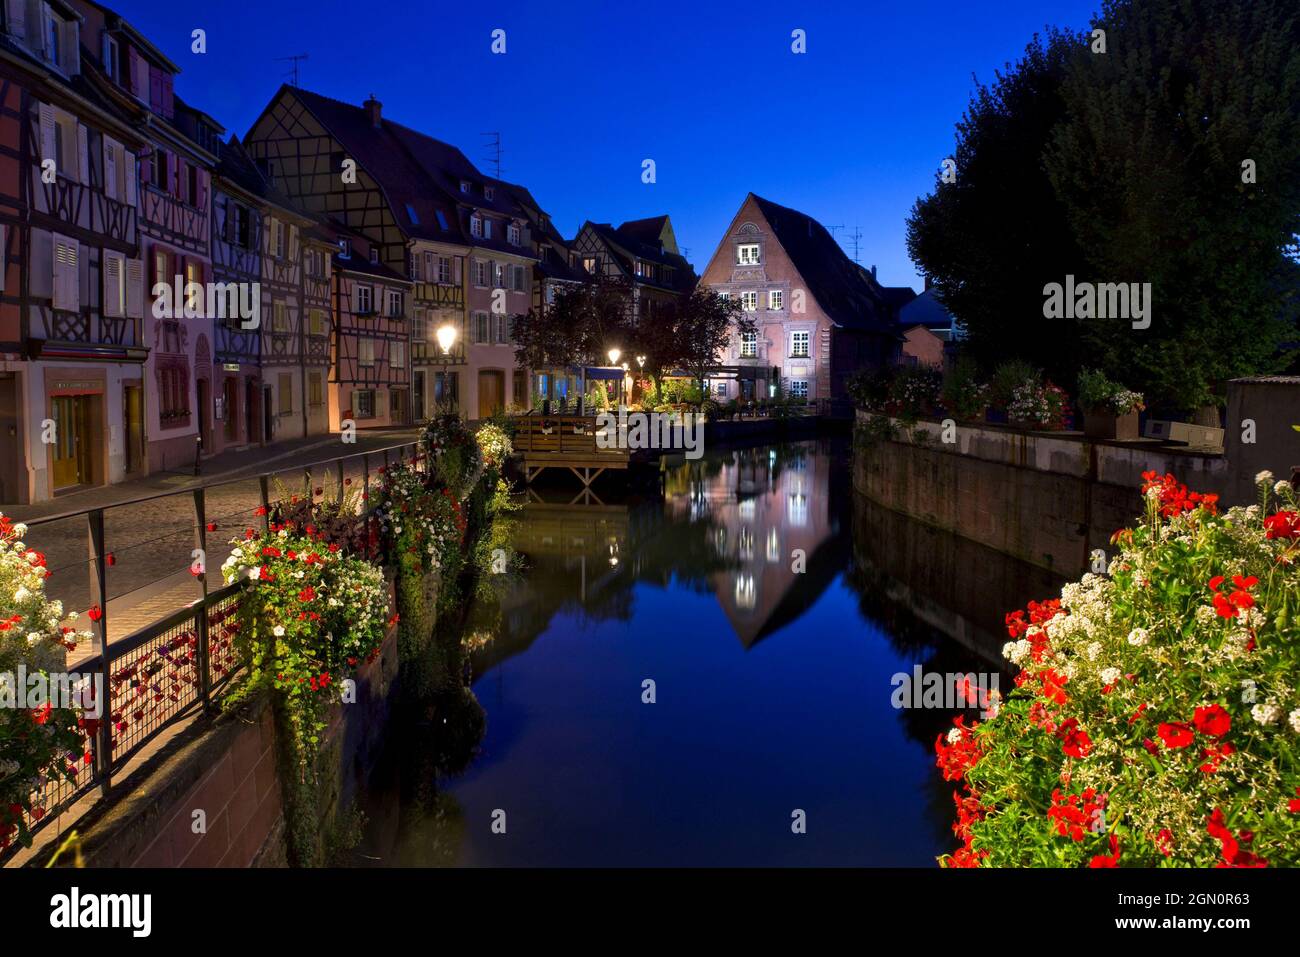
[[452, 452], [1155, 721], [914, 391], [963, 394], [415, 517], [494, 445], [870, 388], [342, 523], [1040, 406], [1007, 378], [1101, 395], [42, 741]]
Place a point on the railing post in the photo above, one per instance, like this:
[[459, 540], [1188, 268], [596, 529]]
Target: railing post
[[201, 613], [265, 481], [103, 743]]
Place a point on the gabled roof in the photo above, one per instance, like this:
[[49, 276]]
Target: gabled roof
[[625, 247], [844, 290], [654, 231], [383, 154], [926, 310], [242, 171]]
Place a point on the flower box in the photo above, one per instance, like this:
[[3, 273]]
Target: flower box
[[1107, 425]]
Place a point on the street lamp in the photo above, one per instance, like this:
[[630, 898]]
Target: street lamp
[[640, 361], [446, 338], [613, 356]]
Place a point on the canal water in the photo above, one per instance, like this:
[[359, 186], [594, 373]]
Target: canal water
[[702, 676]]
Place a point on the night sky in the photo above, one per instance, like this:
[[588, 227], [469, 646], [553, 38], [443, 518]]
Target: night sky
[[849, 132]]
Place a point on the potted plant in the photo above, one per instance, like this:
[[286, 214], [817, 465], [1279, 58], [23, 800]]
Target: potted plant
[[1110, 411]]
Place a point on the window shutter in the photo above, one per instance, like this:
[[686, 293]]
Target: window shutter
[[137, 67], [168, 98], [456, 269], [83, 154], [110, 168], [135, 289], [17, 17], [106, 54], [356, 299], [66, 281], [47, 134], [70, 41], [112, 285], [130, 165]]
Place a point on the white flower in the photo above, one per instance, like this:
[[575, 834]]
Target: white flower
[[1153, 493], [33, 637], [1266, 713], [1017, 651], [1138, 636], [1293, 719], [278, 631], [1282, 488], [1092, 651], [954, 735], [255, 572], [1110, 675], [21, 595], [1264, 478]]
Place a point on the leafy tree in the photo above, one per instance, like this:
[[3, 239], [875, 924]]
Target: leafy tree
[[577, 328], [1150, 164], [702, 327], [991, 239]]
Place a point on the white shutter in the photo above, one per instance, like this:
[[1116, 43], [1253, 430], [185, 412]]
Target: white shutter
[[83, 154], [47, 134], [131, 166], [67, 286], [135, 288], [356, 298], [106, 55], [110, 167], [456, 261], [113, 287]]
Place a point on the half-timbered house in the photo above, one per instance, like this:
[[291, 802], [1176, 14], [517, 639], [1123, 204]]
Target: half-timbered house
[[643, 254], [370, 368], [72, 342], [238, 188], [433, 217], [174, 207]]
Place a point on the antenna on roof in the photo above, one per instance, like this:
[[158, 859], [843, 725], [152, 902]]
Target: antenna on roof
[[294, 60], [856, 238], [493, 146]]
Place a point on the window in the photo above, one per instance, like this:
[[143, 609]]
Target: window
[[366, 352], [315, 389], [464, 186], [487, 229], [481, 273], [67, 278], [444, 269], [724, 296], [489, 192], [395, 303], [374, 254], [503, 329], [721, 388], [238, 228], [482, 328], [476, 227], [158, 168], [420, 326], [192, 185], [749, 301], [589, 263], [365, 296], [286, 394], [363, 403], [345, 249], [280, 317], [279, 229], [397, 354], [410, 212], [747, 254], [498, 275], [799, 388], [799, 346], [748, 345], [114, 284], [517, 278], [110, 58], [775, 299], [512, 234], [442, 221], [316, 322]]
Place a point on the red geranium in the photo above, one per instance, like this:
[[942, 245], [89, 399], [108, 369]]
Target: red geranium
[[1175, 734], [1212, 720]]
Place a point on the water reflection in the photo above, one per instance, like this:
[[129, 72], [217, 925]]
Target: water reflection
[[769, 606]]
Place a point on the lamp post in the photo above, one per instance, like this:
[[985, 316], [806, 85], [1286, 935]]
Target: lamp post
[[446, 335], [613, 357]]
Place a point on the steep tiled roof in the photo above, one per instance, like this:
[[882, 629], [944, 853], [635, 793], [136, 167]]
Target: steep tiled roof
[[647, 230], [842, 288], [926, 310], [382, 152], [632, 248]]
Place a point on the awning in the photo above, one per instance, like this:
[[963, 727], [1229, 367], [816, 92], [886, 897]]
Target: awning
[[603, 372]]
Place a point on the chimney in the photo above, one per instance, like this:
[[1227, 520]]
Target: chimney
[[873, 270], [374, 110]]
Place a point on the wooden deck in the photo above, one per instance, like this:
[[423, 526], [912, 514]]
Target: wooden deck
[[564, 442]]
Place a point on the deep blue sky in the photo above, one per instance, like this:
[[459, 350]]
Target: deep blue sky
[[850, 132]]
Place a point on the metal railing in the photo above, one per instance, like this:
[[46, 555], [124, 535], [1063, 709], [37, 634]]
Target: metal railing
[[173, 668]]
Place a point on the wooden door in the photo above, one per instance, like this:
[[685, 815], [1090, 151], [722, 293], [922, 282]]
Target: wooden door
[[69, 439], [491, 392], [133, 413]]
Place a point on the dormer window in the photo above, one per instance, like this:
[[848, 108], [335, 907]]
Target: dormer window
[[374, 254], [512, 233], [487, 229], [110, 57], [476, 227], [345, 249], [488, 192], [747, 254], [464, 186], [53, 38]]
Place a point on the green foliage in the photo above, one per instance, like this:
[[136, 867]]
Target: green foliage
[[1008, 377], [1099, 394], [870, 388], [963, 393]]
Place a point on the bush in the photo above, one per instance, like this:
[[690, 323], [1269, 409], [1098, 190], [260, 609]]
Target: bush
[[452, 452], [963, 394], [914, 391], [40, 741], [1155, 720], [1099, 394], [870, 388], [494, 445], [1007, 378], [1039, 406], [339, 523]]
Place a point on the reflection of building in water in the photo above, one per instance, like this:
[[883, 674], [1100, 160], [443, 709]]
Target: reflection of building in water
[[772, 513]]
